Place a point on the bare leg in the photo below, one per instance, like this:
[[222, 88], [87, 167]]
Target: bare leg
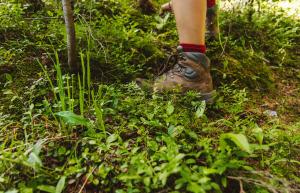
[[211, 17], [192, 69], [190, 18]]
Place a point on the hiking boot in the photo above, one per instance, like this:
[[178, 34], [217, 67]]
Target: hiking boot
[[191, 72]]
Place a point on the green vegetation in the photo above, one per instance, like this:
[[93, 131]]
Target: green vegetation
[[97, 131]]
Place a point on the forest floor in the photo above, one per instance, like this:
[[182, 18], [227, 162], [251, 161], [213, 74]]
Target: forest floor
[[97, 131]]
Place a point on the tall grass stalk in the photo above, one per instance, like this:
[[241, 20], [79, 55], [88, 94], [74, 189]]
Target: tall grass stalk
[[60, 83], [72, 92], [49, 107], [83, 70], [99, 114], [87, 70], [88, 73], [49, 79], [89, 36], [81, 96], [69, 90]]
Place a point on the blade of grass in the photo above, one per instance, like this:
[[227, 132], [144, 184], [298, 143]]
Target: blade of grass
[[99, 115], [48, 78], [60, 82], [88, 75], [81, 96]]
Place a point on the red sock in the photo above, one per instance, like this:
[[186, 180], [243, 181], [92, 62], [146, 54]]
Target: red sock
[[211, 3], [193, 48]]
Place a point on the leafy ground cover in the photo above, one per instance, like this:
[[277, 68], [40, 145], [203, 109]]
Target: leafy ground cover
[[97, 131]]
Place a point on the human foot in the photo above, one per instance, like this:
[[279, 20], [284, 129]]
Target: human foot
[[191, 72]]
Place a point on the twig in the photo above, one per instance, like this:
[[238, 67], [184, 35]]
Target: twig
[[41, 18], [253, 181], [241, 187], [86, 180], [225, 44], [89, 30]]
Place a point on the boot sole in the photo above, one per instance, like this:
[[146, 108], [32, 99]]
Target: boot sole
[[146, 86], [208, 97]]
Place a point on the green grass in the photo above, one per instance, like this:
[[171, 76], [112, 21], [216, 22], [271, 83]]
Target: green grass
[[97, 131], [129, 140]]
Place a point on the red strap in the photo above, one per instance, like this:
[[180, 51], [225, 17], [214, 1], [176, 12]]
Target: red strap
[[193, 48]]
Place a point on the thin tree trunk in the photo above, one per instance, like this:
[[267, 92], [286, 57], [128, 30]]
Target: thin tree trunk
[[71, 39]]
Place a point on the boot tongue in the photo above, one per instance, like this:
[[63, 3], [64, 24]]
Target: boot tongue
[[197, 57]]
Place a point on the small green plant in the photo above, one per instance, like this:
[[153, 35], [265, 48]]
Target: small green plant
[[98, 131]]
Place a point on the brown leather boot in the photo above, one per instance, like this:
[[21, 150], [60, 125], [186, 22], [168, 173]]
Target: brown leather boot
[[191, 72]]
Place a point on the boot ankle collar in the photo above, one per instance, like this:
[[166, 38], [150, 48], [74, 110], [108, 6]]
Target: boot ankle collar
[[197, 57]]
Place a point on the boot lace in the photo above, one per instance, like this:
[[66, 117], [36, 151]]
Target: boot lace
[[175, 64]]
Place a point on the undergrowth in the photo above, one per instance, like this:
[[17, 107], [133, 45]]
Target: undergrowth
[[128, 140], [97, 131]]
